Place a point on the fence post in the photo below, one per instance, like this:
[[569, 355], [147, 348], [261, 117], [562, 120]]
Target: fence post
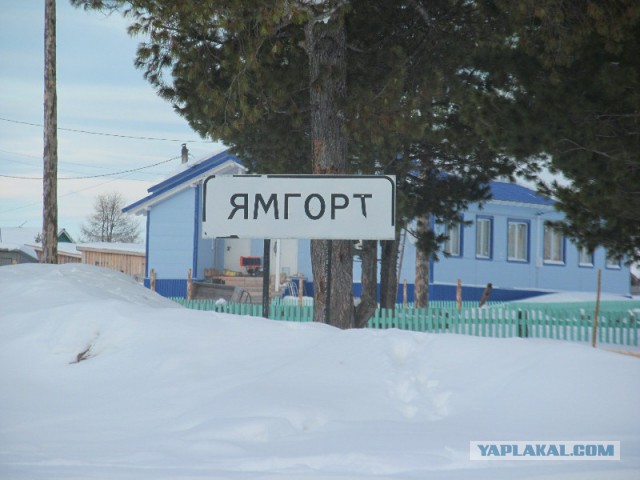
[[523, 330], [152, 280], [300, 291], [459, 295], [595, 318], [404, 294], [189, 285]]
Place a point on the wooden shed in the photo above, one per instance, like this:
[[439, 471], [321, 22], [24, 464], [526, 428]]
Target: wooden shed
[[127, 258], [67, 252]]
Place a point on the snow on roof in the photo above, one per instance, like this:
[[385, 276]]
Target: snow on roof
[[190, 164], [131, 248], [14, 247], [186, 176], [63, 247]]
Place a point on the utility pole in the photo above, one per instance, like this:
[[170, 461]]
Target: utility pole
[[50, 157]]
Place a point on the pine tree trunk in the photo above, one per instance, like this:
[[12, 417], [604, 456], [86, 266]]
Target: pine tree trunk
[[389, 273], [50, 171], [369, 294], [421, 293], [326, 48]]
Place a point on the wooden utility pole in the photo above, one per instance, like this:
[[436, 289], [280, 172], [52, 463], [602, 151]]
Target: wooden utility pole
[[50, 171]]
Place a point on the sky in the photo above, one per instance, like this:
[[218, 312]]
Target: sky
[[110, 381], [99, 90]]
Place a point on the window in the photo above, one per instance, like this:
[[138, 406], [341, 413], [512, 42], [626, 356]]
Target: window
[[483, 237], [612, 262], [553, 245], [453, 245], [585, 257], [518, 241]]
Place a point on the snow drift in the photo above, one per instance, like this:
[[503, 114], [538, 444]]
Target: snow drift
[[103, 379]]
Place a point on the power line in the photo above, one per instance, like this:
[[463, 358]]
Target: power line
[[60, 196], [104, 134], [95, 176]]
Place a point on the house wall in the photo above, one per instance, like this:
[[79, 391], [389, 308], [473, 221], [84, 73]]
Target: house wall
[[122, 262], [170, 235], [533, 274], [12, 257], [205, 248]]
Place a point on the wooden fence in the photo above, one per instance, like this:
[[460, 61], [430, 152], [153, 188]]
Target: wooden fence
[[618, 322]]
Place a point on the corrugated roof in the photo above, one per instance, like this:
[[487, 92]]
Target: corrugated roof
[[512, 192]]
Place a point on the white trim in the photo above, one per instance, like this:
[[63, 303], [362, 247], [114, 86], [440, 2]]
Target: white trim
[[145, 206], [509, 203]]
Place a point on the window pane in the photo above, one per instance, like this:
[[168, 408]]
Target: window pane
[[517, 241], [612, 262], [452, 245], [586, 257], [553, 245], [483, 238]]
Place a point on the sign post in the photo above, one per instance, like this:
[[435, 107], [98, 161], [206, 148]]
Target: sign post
[[266, 267], [320, 207]]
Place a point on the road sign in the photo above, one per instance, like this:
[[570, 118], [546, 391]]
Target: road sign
[[339, 207]]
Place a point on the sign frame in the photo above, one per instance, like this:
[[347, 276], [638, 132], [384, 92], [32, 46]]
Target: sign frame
[[315, 207]]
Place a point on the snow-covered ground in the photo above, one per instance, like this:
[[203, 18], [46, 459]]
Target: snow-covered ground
[[162, 392]]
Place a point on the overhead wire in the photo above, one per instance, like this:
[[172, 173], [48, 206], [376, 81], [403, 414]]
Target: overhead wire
[[105, 134], [85, 177]]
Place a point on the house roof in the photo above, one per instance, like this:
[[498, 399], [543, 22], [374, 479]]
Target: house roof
[[514, 193], [13, 239], [137, 249], [189, 174], [64, 248]]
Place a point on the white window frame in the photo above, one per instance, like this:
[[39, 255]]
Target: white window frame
[[484, 227], [453, 244], [612, 263], [585, 257], [553, 246], [520, 237]]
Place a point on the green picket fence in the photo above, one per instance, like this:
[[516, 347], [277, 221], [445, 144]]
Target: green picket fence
[[618, 322]]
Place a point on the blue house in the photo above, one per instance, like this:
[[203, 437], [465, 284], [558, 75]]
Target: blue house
[[174, 243], [508, 243], [511, 244]]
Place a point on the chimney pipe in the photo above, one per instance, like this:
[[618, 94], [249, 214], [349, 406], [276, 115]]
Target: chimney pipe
[[185, 153]]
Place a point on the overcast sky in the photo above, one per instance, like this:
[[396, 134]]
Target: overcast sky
[[99, 90]]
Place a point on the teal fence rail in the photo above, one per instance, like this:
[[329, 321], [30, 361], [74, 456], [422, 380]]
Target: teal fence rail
[[618, 322]]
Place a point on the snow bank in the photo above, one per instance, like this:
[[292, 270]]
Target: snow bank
[[103, 379]]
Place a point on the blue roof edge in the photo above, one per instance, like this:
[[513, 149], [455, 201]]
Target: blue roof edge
[[512, 192], [184, 177], [194, 171]]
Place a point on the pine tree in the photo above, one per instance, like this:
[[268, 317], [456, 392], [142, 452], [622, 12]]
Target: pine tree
[[385, 97], [572, 73]]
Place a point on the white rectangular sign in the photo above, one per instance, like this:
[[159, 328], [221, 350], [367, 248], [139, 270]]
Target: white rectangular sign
[[339, 207]]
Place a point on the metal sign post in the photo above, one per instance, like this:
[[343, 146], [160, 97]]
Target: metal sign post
[[266, 267]]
